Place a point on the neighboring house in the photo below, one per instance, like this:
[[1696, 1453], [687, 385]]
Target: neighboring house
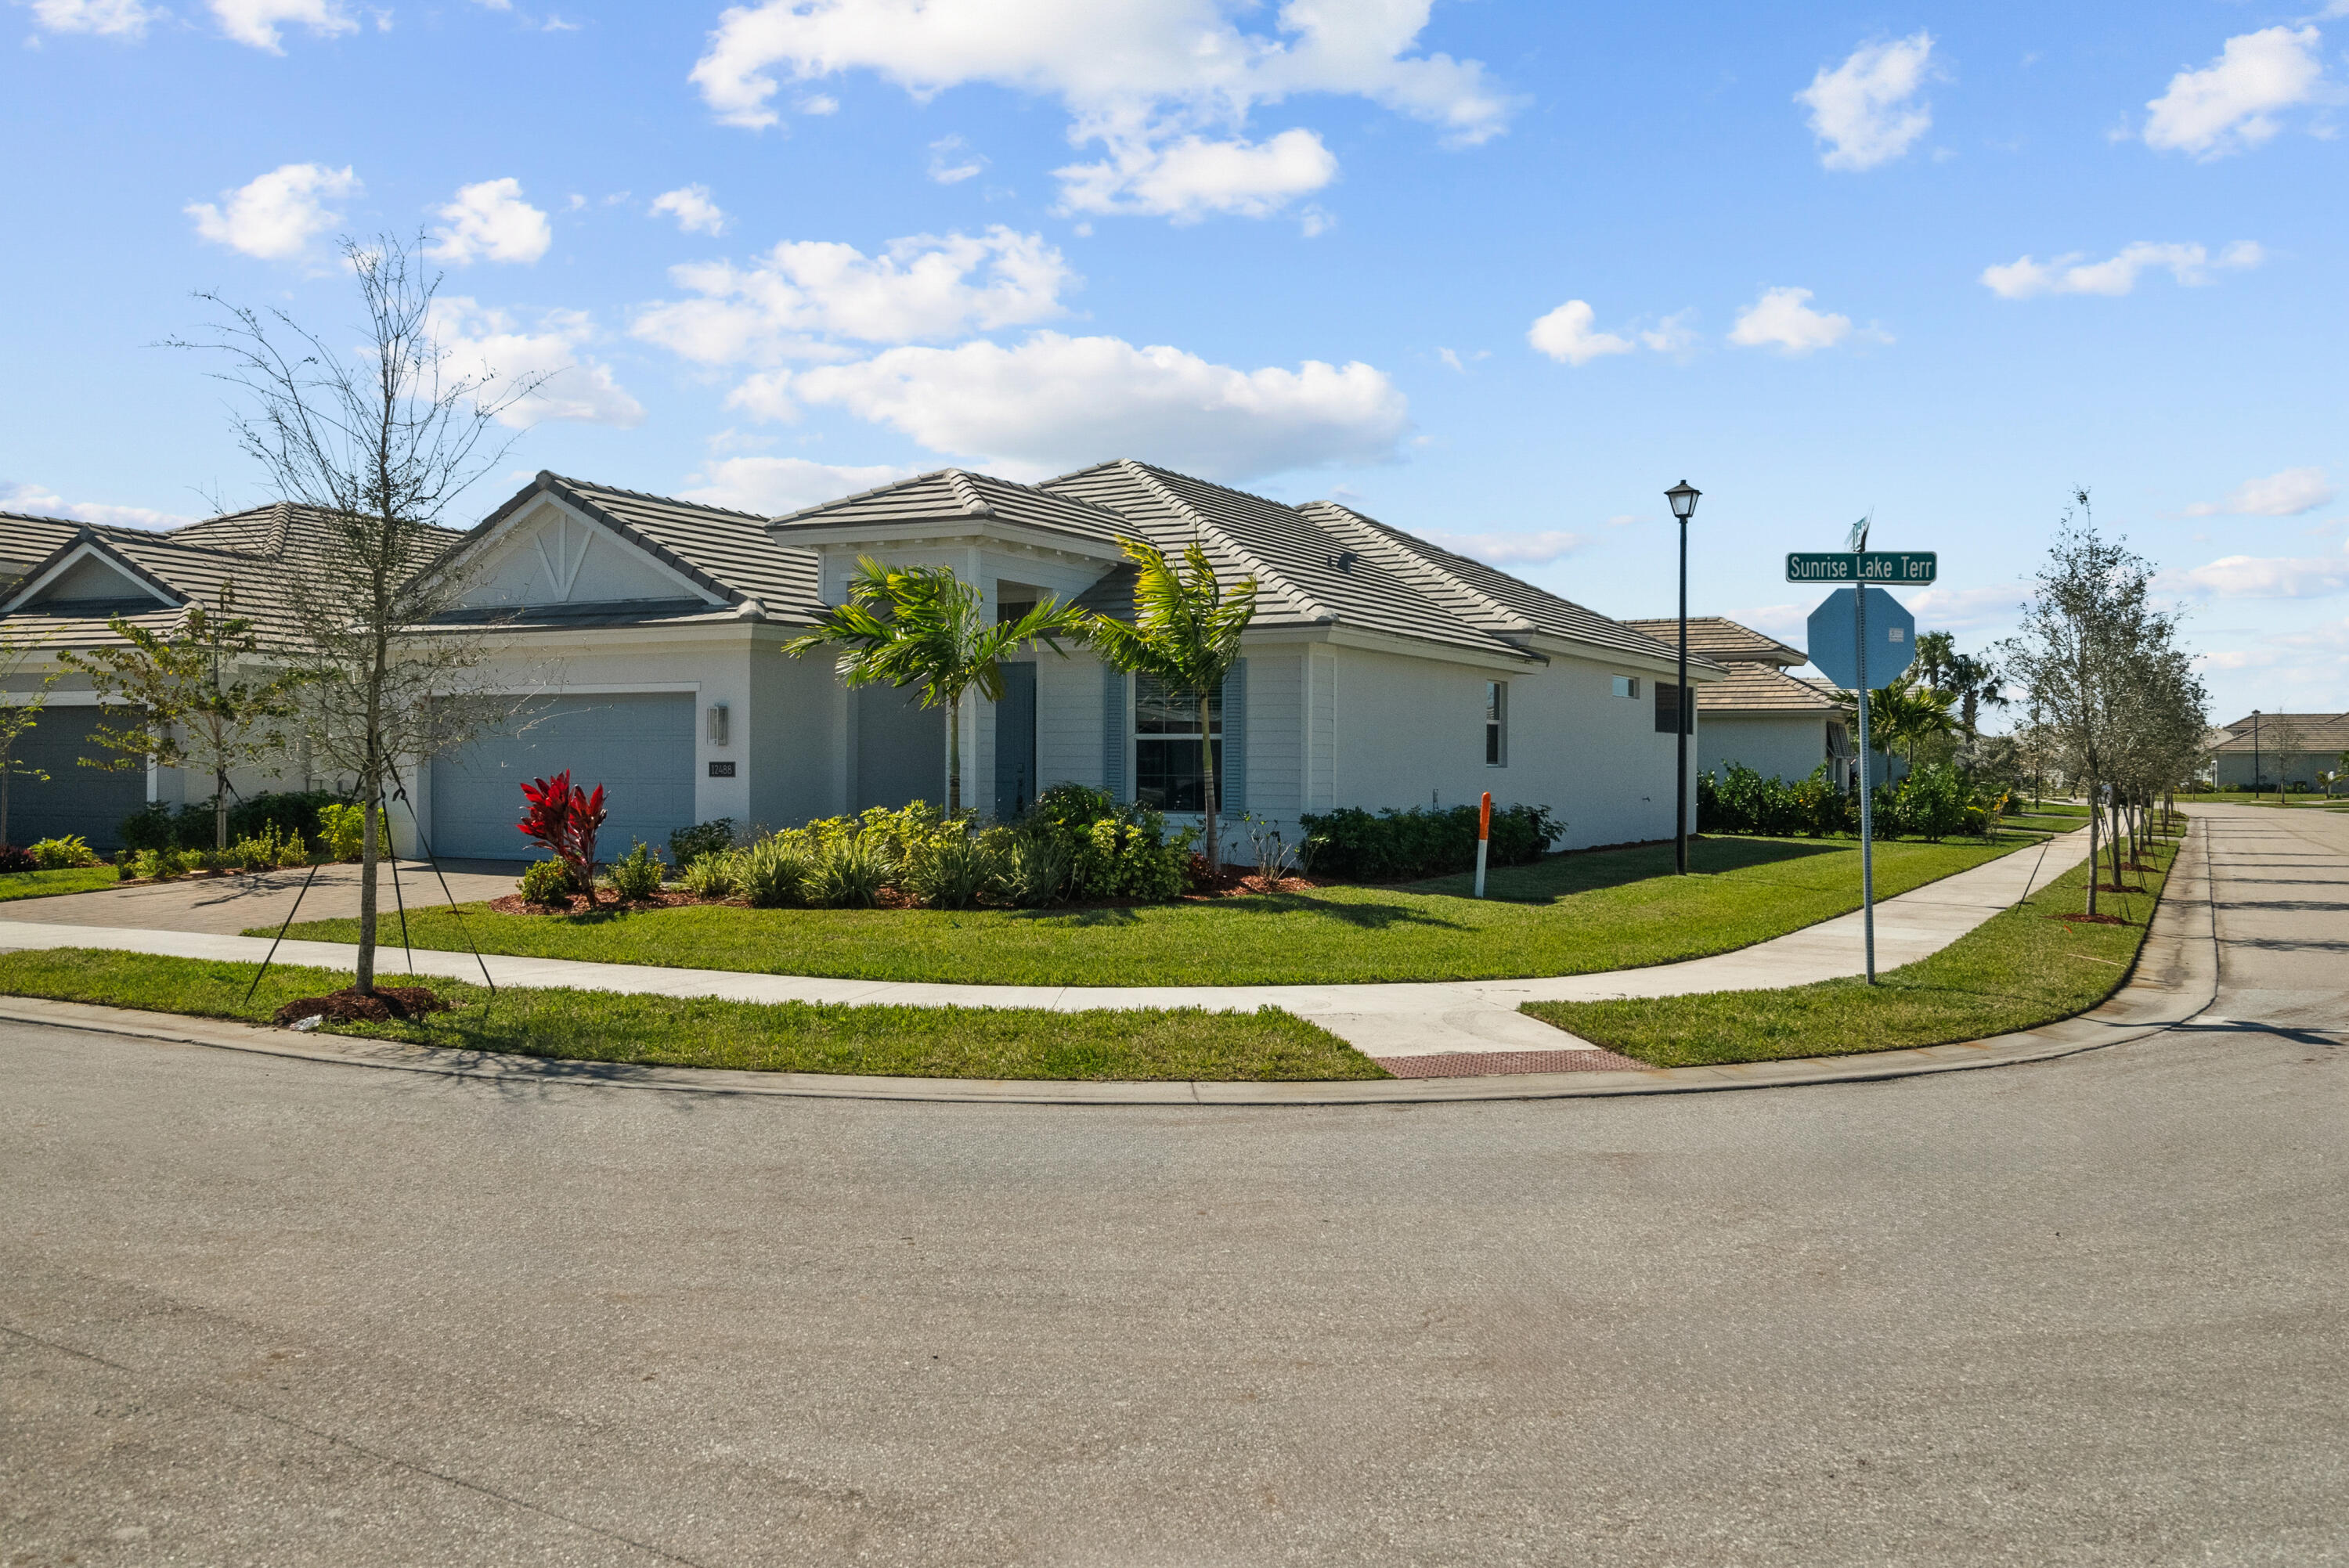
[[1779, 725], [2244, 755], [635, 639]]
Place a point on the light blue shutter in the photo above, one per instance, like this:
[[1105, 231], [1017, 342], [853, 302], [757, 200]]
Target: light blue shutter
[[1231, 783], [1113, 728]]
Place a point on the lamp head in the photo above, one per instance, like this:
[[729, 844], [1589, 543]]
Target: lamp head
[[1682, 497]]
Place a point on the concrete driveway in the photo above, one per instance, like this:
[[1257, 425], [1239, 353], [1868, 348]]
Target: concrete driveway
[[225, 905], [2086, 1312]]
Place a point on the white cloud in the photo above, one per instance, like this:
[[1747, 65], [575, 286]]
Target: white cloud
[[107, 18], [1511, 548], [256, 22], [2286, 494], [490, 222], [2228, 105], [1781, 319], [795, 300], [772, 485], [1676, 333], [952, 162], [694, 213], [42, 501], [1056, 402], [1963, 609], [1192, 177], [1566, 335], [1865, 108], [2261, 577], [2071, 273], [1140, 77], [482, 342], [278, 215]]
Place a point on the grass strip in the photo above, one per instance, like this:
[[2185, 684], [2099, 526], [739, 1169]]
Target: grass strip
[[1567, 914], [1179, 1043], [2020, 968], [47, 885]]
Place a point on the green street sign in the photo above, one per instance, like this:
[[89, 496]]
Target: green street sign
[[1878, 566]]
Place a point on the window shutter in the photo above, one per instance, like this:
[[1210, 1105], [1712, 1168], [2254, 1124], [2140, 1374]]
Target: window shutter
[[1113, 728], [1231, 783]]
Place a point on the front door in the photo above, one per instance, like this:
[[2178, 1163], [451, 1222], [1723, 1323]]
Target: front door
[[1015, 743]]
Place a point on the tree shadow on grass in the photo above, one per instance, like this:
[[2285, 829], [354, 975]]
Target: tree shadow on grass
[[1365, 915]]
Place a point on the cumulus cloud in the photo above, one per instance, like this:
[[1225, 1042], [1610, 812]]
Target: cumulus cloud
[[2190, 265], [772, 485], [1056, 402], [2229, 104], [490, 222], [1142, 78], [694, 213], [1866, 111], [257, 22], [952, 162], [801, 297], [1190, 178], [106, 19], [1511, 548], [2286, 494], [42, 501], [276, 216], [1566, 336], [1963, 609], [485, 343], [1782, 319], [2261, 577]]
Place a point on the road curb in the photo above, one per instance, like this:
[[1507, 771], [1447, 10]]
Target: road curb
[[2175, 977]]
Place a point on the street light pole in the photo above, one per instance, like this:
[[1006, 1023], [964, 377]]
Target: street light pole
[[1682, 497]]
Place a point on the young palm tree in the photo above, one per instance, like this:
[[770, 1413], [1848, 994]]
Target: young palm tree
[[924, 626], [1186, 634]]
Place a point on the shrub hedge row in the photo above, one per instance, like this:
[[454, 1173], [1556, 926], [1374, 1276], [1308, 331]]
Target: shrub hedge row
[[1396, 846]]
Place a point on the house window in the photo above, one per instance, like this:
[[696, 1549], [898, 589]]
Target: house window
[[1497, 724], [1667, 710], [1626, 685], [1166, 765]]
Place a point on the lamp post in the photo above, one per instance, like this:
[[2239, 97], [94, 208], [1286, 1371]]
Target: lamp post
[[1682, 497]]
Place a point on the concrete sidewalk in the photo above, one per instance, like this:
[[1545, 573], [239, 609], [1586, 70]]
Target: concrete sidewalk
[[1388, 1021]]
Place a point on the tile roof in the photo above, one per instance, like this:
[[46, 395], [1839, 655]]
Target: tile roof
[[2317, 732], [952, 493], [1719, 637], [1756, 687]]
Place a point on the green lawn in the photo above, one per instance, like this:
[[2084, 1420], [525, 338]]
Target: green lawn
[[792, 1036], [1567, 914], [44, 884], [2298, 800], [2015, 971]]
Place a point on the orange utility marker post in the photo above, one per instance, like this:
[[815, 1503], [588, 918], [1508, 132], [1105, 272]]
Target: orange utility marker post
[[1483, 838]]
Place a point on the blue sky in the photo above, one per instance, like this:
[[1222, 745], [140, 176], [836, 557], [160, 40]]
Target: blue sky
[[1496, 272]]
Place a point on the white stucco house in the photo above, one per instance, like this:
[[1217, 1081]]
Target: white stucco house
[[1762, 715], [636, 641]]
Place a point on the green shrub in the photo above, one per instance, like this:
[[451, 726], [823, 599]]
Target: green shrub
[[267, 851], [162, 864], [773, 872], [289, 813], [849, 871], [1037, 868], [546, 882], [714, 837], [711, 876], [1132, 855], [951, 872], [62, 855], [1395, 846], [1933, 802], [637, 875], [343, 827], [1742, 801], [148, 827]]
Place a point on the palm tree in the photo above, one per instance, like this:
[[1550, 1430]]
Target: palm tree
[[1186, 634], [924, 626], [1903, 714]]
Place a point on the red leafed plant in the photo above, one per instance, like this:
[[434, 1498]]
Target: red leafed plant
[[565, 819]]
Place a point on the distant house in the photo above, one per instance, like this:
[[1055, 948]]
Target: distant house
[[1779, 725], [635, 640], [2244, 755]]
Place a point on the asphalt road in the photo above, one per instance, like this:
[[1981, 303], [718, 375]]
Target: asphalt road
[[254, 1310]]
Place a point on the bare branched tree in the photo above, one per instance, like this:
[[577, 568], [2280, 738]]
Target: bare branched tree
[[372, 446]]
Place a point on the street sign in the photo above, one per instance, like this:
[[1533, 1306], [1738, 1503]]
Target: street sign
[[1885, 567], [1835, 640]]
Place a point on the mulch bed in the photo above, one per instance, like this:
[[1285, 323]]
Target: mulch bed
[[580, 903], [1234, 884], [2088, 919], [348, 1007]]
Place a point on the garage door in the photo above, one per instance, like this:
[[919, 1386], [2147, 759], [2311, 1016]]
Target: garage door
[[639, 746], [90, 802]]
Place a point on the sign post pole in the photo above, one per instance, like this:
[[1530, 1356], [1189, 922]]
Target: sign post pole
[[1866, 791], [1483, 838]]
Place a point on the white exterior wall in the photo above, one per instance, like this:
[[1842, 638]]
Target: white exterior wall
[[1787, 746]]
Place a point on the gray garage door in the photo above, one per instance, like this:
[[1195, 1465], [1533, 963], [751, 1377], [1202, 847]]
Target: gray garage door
[[638, 745], [90, 801]]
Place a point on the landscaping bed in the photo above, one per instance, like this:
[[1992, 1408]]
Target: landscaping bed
[[2032, 965], [1143, 1045], [1572, 913]]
